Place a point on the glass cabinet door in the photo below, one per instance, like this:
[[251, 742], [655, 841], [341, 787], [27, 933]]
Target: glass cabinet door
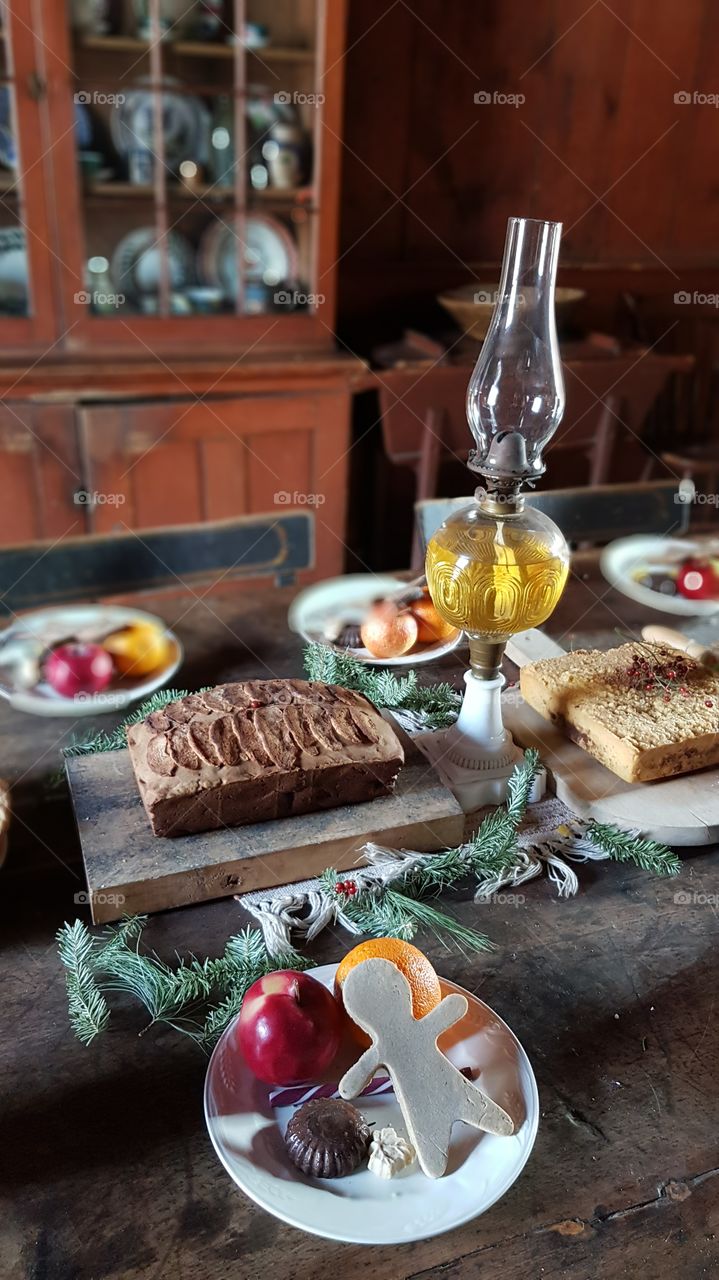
[[27, 316], [196, 153]]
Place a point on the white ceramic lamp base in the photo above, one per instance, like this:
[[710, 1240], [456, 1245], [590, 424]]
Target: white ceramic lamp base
[[476, 756]]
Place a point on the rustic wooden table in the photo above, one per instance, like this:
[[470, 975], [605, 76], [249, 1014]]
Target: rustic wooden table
[[108, 1170]]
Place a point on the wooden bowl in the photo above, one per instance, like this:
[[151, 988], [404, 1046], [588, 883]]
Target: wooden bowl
[[471, 307]]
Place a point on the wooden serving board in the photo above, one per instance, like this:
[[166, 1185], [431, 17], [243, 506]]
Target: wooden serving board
[[678, 811], [130, 870]]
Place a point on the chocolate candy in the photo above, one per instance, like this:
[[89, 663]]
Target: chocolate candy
[[327, 1138]]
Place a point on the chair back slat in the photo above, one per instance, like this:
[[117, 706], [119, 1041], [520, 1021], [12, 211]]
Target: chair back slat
[[75, 569]]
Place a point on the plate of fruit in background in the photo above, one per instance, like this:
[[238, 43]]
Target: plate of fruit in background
[[278, 1114], [674, 575], [375, 618], [85, 659]]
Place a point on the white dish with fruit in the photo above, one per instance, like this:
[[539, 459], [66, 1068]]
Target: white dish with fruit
[[85, 659], [673, 575], [366, 1171]]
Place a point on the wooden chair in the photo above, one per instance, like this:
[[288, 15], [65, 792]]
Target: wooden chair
[[423, 413], [586, 515], [277, 546]]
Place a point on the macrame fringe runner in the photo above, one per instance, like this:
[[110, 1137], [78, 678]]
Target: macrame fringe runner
[[299, 912]]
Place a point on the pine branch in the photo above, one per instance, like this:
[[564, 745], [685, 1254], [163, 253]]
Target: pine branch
[[519, 785], [437, 705], [88, 1009], [629, 846]]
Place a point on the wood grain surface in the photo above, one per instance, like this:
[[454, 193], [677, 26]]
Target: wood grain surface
[[108, 1171]]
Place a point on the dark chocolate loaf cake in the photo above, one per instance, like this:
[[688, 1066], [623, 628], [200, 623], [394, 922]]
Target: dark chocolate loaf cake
[[262, 749]]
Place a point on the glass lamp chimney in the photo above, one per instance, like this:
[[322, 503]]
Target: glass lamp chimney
[[515, 398]]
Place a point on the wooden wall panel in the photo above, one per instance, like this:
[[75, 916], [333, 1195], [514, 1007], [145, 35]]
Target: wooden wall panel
[[599, 117], [39, 473]]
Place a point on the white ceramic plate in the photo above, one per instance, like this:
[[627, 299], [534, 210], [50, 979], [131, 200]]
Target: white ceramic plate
[[621, 560], [269, 253], [51, 626], [137, 262], [349, 598], [185, 123], [247, 1135]]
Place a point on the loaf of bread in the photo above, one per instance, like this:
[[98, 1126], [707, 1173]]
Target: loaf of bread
[[644, 711], [262, 749]]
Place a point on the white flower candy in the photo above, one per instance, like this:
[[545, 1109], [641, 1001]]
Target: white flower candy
[[388, 1153]]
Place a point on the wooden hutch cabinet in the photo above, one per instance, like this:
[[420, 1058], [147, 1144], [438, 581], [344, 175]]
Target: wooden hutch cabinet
[[169, 181]]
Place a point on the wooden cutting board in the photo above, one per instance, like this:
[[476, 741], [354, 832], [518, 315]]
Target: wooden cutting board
[[678, 811], [130, 870]]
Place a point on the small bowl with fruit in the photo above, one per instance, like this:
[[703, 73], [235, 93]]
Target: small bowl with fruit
[[673, 575], [85, 659], [375, 618]]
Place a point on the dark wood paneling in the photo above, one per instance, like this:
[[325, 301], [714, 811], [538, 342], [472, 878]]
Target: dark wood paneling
[[599, 120]]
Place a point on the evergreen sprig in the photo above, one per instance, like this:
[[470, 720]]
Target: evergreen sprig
[[88, 1009], [195, 997], [437, 705], [628, 846]]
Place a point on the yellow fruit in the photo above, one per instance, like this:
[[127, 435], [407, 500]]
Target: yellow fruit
[[138, 649], [422, 979]]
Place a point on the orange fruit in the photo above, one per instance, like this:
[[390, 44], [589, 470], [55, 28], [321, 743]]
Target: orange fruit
[[138, 649], [422, 979], [431, 627]]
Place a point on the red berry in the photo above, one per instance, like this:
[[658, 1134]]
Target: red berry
[[351, 887], [667, 697], [341, 887], [708, 702], [684, 692], [649, 686], [671, 675]]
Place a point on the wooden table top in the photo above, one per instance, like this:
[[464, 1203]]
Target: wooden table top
[[108, 1166]]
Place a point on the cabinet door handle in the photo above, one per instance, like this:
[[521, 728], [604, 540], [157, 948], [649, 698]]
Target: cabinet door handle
[[36, 86]]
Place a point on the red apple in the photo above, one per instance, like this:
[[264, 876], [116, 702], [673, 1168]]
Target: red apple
[[78, 668], [698, 580], [289, 1028]]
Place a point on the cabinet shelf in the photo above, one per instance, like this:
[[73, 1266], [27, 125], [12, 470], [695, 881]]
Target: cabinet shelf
[[196, 48], [207, 191]]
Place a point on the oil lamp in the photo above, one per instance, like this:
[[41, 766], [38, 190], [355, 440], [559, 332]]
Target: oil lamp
[[497, 567]]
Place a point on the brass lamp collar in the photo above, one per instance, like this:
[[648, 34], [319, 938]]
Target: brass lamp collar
[[500, 499], [485, 657]]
